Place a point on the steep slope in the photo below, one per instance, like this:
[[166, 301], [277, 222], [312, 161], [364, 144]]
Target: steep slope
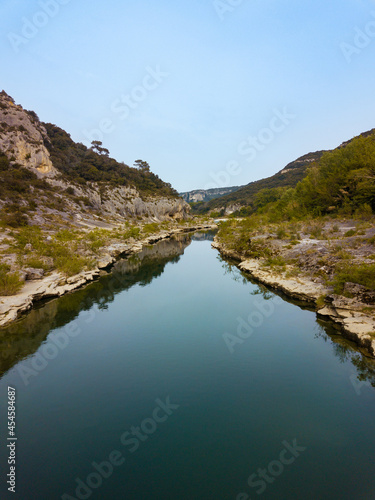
[[46, 176]]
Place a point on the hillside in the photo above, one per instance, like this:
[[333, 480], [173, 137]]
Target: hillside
[[316, 241], [67, 211], [46, 176], [244, 196]]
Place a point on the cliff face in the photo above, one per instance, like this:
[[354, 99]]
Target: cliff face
[[25, 142], [207, 194], [22, 137]]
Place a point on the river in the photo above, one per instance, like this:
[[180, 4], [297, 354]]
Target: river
[[175, 377]]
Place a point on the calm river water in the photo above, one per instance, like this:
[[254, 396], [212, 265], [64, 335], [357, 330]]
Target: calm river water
[[175, 377]]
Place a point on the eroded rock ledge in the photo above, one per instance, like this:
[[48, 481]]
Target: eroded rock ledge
[[352, 323], [56, 285]]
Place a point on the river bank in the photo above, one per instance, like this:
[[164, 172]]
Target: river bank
[[347, 313], [56, 284]]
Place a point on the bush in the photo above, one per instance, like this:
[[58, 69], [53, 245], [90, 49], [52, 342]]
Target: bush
[[277, 261], [363, 274], [16, 219], [71, 264], [10, 283]]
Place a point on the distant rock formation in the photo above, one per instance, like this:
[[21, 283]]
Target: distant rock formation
[[207, 194]]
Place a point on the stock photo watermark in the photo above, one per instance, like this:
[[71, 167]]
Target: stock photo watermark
[[11, 440], [32, 26], [264, 477], [224, 7], [250, 148], [125, 104], [50, 350], [60, 340], [255, 319], [131, 439], [361, 40]]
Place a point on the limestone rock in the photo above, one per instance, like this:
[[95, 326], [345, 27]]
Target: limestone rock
[[23, 137], [362, 293], [34, 274]]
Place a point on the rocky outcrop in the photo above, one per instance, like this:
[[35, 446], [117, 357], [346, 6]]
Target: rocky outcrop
[[24, 140], [207, 194], [22, 137]]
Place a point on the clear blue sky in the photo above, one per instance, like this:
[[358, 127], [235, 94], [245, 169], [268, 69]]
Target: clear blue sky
[[223, 74]]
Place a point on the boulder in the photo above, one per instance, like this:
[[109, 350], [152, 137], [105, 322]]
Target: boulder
[[360, 292], [34, 274]]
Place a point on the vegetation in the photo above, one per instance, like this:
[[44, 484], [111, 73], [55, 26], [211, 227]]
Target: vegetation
[[363, 274], [10, 283], [341, 184], [247, 195], [19, 187], [81, 164]]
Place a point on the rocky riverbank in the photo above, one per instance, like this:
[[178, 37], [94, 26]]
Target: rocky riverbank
[[347, 313], [56, 284]]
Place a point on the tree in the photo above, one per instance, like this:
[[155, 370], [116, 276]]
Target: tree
[[96, 146], [142, 165]]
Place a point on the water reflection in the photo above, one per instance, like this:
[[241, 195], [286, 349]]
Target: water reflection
[[204, 235], [24, 337], [344, 350]]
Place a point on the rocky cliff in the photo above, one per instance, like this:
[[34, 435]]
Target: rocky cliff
[[207, 194], [70, 169], [23, 137]]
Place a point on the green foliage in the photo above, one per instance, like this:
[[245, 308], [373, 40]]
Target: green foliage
[[14, 219], [281, 234], [81, 164], [10, 283], [320, 301], [71, 264], [63, 248], [251, 195], [275, 261], [19, 187], [150, 228], [343, 178], [363, 274], [132, 232]]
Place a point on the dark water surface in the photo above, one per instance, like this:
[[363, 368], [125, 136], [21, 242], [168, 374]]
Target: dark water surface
[[175, 377]]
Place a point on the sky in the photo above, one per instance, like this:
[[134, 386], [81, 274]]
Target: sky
[[211, 93]]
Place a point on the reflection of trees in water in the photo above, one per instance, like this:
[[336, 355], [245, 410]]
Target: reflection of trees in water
[[24, 337], [344, 350], [204, 235], [231, 269]]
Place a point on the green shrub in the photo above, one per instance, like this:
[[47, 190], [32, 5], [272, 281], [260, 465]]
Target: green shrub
[[320, 301], [15, 219], [281, 233], [351, 232], [363, 274], [150, 228], [132, 232], [70, 264], [10, 283], [275, 261]]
